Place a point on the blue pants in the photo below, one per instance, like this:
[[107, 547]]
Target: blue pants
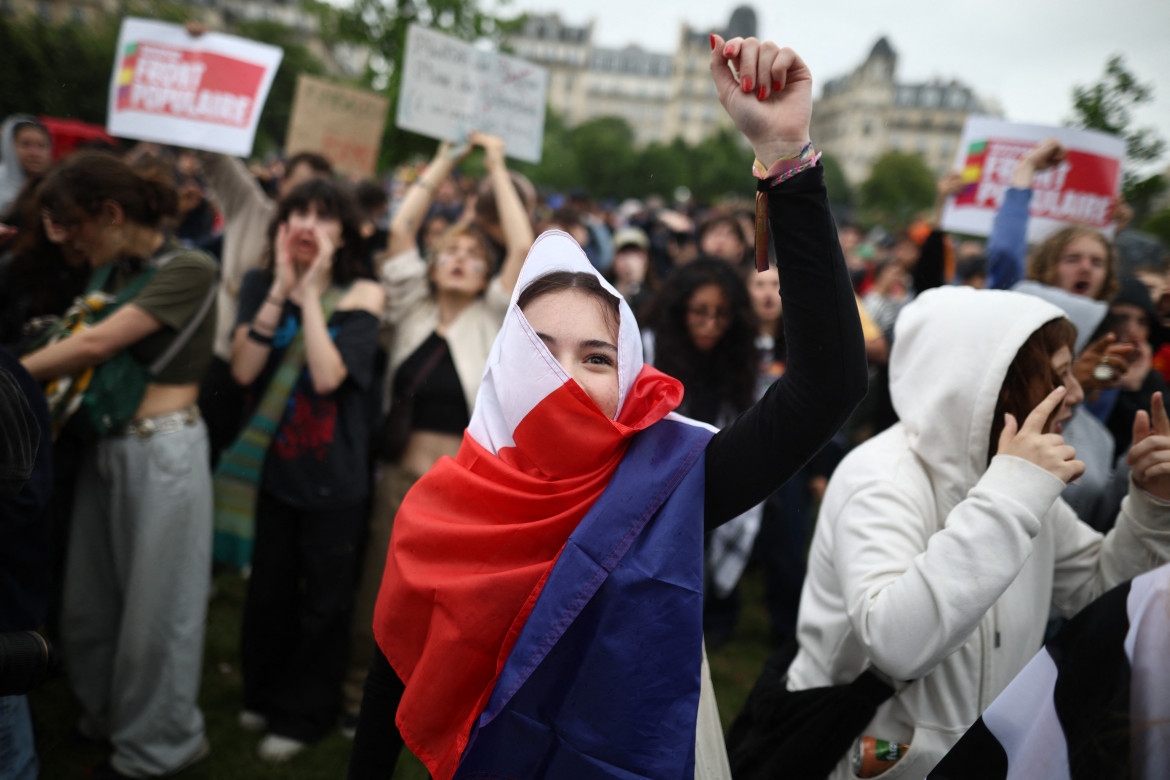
[[18, 755]]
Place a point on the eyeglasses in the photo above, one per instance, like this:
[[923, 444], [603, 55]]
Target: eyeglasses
[[699, 314]]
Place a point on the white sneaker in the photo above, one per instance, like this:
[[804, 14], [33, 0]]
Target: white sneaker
[[277, 749], [250, 720]]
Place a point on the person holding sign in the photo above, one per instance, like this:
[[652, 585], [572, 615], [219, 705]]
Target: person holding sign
[[446, 311], [1076, 259], [943, 542], [541, 606]]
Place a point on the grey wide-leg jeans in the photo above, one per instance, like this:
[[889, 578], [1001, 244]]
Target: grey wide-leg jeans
[[135, 599]]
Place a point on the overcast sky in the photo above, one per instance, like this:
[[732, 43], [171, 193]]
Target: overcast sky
[[1026, 54]]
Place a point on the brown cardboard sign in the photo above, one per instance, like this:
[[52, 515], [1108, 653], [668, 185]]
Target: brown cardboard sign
[[342, 123]]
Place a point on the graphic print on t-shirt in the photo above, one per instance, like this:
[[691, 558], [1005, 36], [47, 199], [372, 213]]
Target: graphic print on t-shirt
[[310, 420]]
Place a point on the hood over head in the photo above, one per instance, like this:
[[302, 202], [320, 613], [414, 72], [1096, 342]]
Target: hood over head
[[1085, 313], [521, 372], [1135, 293], [952, 349], [12, 176]]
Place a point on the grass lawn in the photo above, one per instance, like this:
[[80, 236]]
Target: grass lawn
[[734, 668]]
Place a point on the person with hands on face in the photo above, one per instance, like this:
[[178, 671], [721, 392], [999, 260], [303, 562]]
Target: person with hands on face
[[312, 494], [942, 543], [541, 605]]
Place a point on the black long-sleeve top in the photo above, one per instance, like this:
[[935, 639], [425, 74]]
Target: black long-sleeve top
[[826, 374]]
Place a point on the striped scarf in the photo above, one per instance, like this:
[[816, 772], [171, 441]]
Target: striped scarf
[[237, 477]]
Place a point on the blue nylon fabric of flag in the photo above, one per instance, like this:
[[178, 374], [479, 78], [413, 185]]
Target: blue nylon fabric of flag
[[603, 681]]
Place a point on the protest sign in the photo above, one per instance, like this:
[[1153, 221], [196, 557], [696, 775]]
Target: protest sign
[[1081, 190], [343, 124], [205, 92], [450, 88]]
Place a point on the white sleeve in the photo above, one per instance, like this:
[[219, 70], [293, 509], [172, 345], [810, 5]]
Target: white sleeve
[[1088, 564], [914, 594]]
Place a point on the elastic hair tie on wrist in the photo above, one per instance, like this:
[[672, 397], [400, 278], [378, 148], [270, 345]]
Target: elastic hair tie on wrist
[[259, 337]]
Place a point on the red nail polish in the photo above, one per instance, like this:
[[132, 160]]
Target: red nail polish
[[728, 50], [712, 41], [761, 93], [747, 83], [775, 86]]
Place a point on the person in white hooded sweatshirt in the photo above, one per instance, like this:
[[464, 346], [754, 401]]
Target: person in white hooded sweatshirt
[[935, 563]]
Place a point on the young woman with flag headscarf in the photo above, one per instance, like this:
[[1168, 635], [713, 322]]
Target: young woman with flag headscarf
[[541, 606]]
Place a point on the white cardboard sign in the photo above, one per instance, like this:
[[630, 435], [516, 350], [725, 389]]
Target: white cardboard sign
[[204, 92], [1081, 190], [450, 88]]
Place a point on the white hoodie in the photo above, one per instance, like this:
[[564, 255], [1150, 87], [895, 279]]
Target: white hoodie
[[936, 568]]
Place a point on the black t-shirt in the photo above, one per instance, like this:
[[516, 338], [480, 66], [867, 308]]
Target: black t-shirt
[[319, 456]]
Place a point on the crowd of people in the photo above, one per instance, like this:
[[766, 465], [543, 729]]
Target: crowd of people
[[493, 459]]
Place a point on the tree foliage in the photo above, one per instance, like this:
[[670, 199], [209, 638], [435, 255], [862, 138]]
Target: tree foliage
[[65, 67], [381, 25], [1158, 224], [1107, 105], [840, 193], [599, 156], [56, 69], [65, 70], [899, 186]]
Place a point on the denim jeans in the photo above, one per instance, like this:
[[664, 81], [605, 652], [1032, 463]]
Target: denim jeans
[[18, 755]]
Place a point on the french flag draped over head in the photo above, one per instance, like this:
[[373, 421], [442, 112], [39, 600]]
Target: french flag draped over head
[[1093, 704], [479, 539]]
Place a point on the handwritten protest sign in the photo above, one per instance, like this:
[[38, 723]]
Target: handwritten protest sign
[[205, 92], [342, 123], [450, 88], [1080, 190]]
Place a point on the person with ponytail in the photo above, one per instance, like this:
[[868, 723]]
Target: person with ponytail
[[139, 559]]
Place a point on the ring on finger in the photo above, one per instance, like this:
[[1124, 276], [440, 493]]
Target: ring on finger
[[1103, 371]]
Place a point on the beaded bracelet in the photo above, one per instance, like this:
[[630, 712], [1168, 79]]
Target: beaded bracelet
[[782, 170], [259, 337]]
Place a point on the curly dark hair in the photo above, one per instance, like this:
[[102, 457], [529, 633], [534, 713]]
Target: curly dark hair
[[332, 200], [79, 186], [725, 375]]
